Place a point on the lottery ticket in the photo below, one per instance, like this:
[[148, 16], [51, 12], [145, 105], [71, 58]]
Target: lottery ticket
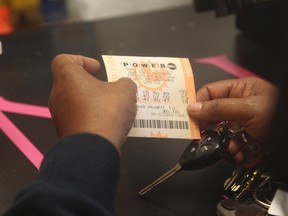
[[165, 87]]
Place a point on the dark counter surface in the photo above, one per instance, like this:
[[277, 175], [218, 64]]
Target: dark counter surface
[[25, 77]]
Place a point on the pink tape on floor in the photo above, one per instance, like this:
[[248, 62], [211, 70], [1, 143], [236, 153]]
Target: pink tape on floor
[[25, 109], [22, 143], [222, 62]]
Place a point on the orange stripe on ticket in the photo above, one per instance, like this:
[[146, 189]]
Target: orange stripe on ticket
[[191, 95]]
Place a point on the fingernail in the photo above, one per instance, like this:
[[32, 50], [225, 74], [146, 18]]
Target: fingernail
[[194, 107]]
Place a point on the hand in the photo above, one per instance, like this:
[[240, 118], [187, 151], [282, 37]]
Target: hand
[[79, 102], [247, 103]]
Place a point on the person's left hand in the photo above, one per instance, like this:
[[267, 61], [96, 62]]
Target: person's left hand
[[79, 102]]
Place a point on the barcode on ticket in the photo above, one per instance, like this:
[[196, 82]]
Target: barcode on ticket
[[160, 124]]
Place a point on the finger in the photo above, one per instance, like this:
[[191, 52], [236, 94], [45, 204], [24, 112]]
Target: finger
[[233, 147], [228, 109], [63, 61], [239, 157], [221, 89]]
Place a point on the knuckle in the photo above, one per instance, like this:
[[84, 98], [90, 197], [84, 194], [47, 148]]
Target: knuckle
[[215, 104], [204, 94], [59, 64], [58, 59], [63, 71], [249, 109]]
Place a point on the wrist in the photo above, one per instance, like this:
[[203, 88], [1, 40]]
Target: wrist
[[105, 137]]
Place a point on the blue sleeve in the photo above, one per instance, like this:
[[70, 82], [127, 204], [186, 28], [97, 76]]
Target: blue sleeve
[[78, 176]]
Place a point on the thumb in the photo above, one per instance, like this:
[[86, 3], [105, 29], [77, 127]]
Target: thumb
[[228, 109]]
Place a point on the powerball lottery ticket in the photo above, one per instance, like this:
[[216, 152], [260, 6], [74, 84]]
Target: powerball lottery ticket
[[165, 87]]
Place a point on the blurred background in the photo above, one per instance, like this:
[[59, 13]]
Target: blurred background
[[17, 14]]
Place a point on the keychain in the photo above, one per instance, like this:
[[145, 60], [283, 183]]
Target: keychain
[[212, 147]]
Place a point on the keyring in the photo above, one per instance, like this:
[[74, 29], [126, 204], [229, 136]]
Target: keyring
[[239, 135]]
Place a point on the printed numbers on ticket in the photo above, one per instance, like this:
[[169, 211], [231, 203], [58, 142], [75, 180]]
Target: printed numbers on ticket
[[165, 87]]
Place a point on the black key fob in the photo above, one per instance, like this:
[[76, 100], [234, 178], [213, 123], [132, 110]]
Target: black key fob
[[205, 152]]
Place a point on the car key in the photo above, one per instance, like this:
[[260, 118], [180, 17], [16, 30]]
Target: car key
[[198, 154]]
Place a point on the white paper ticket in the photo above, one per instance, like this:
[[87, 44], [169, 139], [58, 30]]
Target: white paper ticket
[[165, 87]]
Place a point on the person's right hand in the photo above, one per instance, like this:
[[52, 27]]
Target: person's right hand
[[79, 102], [246, 103]]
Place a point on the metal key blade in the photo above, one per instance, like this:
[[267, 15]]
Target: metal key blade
[[162, 178]]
